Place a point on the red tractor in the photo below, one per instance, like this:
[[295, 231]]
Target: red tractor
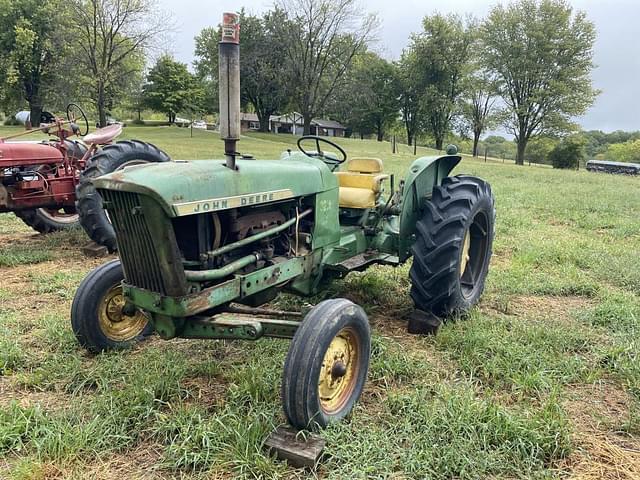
[[47, 183]]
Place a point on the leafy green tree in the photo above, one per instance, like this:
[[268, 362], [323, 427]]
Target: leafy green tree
[[478, 104], [569, 153], [32, 37], [171, 88], [369, 101], [542, 53], [498, 147], [442, 51], [206, 65], [539, 148], [320, 39], [409, 96], [112, 35], [624, 152], [262, 67]]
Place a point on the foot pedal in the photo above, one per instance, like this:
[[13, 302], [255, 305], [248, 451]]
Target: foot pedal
[[423, 323]]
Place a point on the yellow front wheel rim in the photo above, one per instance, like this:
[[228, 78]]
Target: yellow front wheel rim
[[114, 323], [339, 371]]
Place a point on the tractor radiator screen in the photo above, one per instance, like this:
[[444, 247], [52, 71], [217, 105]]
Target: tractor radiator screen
[[135, 243]]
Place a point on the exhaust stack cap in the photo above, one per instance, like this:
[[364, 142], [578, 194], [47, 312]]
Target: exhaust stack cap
[[230, 28]]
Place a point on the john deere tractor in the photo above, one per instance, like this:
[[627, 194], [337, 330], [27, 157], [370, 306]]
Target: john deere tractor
[[204, 244]]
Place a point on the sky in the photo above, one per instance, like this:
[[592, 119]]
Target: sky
[[617, 49]]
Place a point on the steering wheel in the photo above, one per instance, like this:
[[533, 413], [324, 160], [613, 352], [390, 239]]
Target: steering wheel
[[72, 115], [319, 153]]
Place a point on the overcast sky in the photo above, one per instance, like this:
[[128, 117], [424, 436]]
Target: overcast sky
[[617, 50]]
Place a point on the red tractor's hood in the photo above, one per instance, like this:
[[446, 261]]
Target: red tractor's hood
[[16, 154]]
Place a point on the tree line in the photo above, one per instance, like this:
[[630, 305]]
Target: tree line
[[525, 68]]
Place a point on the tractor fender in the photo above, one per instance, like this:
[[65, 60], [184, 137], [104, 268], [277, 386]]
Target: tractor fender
[[424, 174]]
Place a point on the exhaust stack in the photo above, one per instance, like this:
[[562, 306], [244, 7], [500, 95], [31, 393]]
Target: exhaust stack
[[229, 86]]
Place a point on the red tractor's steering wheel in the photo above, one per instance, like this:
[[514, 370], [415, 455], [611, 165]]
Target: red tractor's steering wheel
[[75, 113], [330, 160]]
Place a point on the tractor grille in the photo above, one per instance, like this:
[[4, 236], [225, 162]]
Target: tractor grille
[[135, 243]]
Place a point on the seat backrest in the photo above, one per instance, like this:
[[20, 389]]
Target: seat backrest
[[364, 165]]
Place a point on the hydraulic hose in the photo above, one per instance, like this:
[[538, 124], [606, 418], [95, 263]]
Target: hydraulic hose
[[218, 273]]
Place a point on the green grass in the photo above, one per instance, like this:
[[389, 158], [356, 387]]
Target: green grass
[[489, 397]]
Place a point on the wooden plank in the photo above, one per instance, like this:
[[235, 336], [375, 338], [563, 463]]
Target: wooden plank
[[298, 449], [94, 250], [423, 323]]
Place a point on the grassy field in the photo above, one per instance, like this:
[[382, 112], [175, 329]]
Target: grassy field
[[541, 381]]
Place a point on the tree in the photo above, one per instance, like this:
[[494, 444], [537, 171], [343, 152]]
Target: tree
[[32, 38], [542, 53], [442, 52], [539, 148], [368, 103], [624, 152], [569, 153], [320, 39], [409, 97], [262, 67], [206, 66], [477, 104], [110, 33], [171, 88]]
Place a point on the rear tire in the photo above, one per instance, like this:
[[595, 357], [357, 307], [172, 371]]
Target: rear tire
[[93, 217], [453, 247], [46, 220], [97, 319], [326, 366]]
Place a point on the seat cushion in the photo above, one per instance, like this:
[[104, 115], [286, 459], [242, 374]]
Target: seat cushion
[[351, 197], [357, 180], [365, 165]]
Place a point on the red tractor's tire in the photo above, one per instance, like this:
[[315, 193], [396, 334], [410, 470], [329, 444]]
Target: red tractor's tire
[[453, 245], [46, 221], [93, 217]]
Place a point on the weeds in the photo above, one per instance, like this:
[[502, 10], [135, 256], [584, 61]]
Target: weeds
[[483, 399]]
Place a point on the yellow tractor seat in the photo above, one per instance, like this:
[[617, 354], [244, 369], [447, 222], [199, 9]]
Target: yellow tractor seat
[[361, 184]]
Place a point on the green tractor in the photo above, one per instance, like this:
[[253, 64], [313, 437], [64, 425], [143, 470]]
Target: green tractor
[[204, 244]]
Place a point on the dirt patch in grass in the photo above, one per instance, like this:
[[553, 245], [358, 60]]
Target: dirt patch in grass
[[537, 306], [604, 457], [599, 406], [601, 452], [140, 463]]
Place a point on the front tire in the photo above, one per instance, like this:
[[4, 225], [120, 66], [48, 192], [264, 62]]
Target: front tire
[[326, 366], [453, 245], [97, 316], [93, 217]]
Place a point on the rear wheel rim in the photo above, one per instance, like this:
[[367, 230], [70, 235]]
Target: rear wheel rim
[[114, 324], [339, 371], [473, 255], [59, 216]]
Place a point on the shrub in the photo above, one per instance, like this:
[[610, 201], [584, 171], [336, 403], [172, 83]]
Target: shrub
[[567, 154]]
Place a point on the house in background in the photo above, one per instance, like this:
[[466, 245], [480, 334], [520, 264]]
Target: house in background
[[292, 123], [250, 122]]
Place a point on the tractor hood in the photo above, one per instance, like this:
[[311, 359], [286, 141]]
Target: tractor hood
[[197, 186]]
